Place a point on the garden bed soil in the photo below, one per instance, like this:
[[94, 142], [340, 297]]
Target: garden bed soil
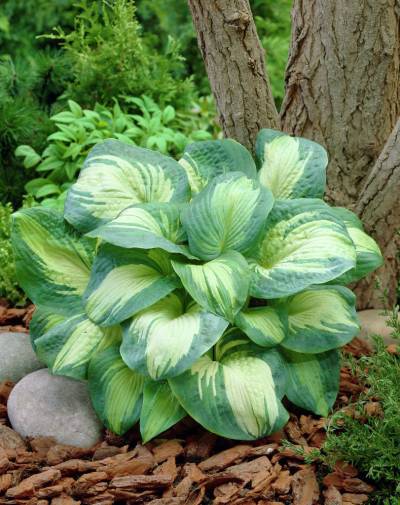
[[186, 466]]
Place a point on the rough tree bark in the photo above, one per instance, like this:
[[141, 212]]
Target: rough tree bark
[[379, 208], [342, 90], [343, 84], [235, 65]]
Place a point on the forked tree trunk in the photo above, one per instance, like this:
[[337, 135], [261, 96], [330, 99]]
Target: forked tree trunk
[[343, 84], [342, 90], [235, 65], [379, 208]]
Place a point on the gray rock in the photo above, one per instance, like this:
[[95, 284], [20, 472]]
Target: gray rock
[[17, 357], [373, 322], [42, 404]]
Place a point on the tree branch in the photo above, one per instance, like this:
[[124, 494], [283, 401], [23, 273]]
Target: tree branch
[[235, 65], [379, 209]]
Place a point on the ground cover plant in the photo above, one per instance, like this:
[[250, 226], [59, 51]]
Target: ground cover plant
[[367, 433], [211, 286]]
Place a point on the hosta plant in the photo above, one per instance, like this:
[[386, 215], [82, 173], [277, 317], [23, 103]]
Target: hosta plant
[[212, 286]]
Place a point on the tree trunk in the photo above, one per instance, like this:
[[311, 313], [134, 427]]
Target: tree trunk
[[379, 208], [343, 85], [235, 65], [342, 90]]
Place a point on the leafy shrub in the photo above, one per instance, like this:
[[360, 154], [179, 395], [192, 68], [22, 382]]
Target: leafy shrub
[[19, 109], [78, 130], [8, 281], [200, 287], [371, 442], [97, 52], [108, 57]]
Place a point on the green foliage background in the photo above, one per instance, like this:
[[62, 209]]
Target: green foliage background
[[94, 52]]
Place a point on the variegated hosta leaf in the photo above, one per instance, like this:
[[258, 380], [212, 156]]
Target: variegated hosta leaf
[[291, 167], [304, 244], [125, 281], [369, 256], [116, 391], [52, 262], [312, 380], [266, 326], [42, 321], [237, 395], [117, 175], [229, 214], [321, 318], [146, 226], [203, 161], [160, 410], [165, 339], [221, 286], [68, 347]]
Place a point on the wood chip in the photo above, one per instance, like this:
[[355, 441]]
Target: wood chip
[[76, 466], [167, 468], [332, 496], [305, 487], [87, 480], [59, 453], [142, 481], [9, 439], [226, 492], [294, 433], [356, 499], [169, 449], [136, 466], [225, 458], [356, 486], [108, 451], [27, 486], [283, 482], [64, 500], [5, 482]]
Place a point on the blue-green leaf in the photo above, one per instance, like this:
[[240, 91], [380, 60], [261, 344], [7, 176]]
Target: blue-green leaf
[[236, 395], [221, 286], [52, 261], [203, 161], [115, 390], [304, 244], [368, 254], [146, 226], [160, 410], [116, 176], [291, 167], [66, 348], [321, 318], [125, 281], [313, 380], [229, 214], [165, 339], [266, 326]]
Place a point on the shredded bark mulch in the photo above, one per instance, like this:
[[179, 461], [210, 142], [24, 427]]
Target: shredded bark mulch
[[187, 466], [13, 318]]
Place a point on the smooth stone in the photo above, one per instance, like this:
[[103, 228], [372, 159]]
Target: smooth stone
[[17, 357], [374, 322], [48, 405]]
